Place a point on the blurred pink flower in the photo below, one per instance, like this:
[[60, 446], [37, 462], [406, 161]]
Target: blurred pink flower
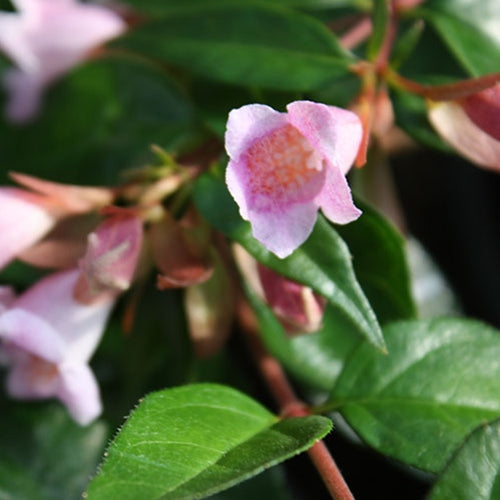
[[471, 126], [285, 166], [45, 39], [111, 258], [24, 219], [48, 339], [28, 216]]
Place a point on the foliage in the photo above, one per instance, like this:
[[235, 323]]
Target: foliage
[[143, 117]]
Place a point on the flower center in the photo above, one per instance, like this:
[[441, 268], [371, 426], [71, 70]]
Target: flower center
[[282, 163]]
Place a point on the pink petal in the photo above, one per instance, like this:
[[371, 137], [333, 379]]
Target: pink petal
[[14, 44], [7, 297], [46, 39], [335, 199], [283, 230], [248, 123], [276, 170], [334, 132], [24, 93], [111, 257], [70, 198], [78, 326], [29, 332], [32, 378], [452, 123], [79, 391], [483, 109], [18, 205]]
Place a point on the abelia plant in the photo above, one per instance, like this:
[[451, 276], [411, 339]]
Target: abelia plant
[[208, 223]]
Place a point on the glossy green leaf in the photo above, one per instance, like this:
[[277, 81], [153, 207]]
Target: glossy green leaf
[[474, 471], [380, 17], [440, 380], [97, 121], [470, 29], [157, 8], [323, 262], [247, 44], [44, 455], [379, 259], [190, 442], [314, 358]]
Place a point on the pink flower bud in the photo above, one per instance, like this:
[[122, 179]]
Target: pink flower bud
[[299, 309], [471, 126], [48, 339], [285, 166], [45, 39], [109, 263]]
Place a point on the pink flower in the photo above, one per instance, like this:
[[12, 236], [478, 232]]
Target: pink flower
[[46, 39], [24, 219], [48, 339], [471, 126], [285, 166]]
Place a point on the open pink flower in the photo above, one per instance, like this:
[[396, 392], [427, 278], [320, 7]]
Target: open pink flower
[[45, 40], [285, 166], [48, 339], [472, 126]]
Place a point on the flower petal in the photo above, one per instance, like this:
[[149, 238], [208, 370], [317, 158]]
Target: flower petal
[[285, 229], [36, 222], [248, 123], [335, 199], [453, 124], [79, 391], [24, 91], [334, 132], [29, 332], [79, 326], [31, 377]]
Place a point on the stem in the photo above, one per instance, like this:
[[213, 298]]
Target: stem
[[446, 92], [330, 473], [291, 406], [357, 34]]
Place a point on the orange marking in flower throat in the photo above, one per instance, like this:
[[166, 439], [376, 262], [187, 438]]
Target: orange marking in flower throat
[[281, 162]]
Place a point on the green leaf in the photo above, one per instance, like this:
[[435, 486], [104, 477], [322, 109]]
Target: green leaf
[[323, 262], [315, 358], [379, 259], [440, 380], [474, 471], [247, 44], [190, 442], [380, 17], [98, 120], [411, 116], [470, 29], [44, 455]]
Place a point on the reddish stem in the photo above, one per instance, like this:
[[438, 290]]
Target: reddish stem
[[447, 92], [291, 406], [357, 34]]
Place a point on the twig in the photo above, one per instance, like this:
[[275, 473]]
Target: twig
[[291, 406]]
